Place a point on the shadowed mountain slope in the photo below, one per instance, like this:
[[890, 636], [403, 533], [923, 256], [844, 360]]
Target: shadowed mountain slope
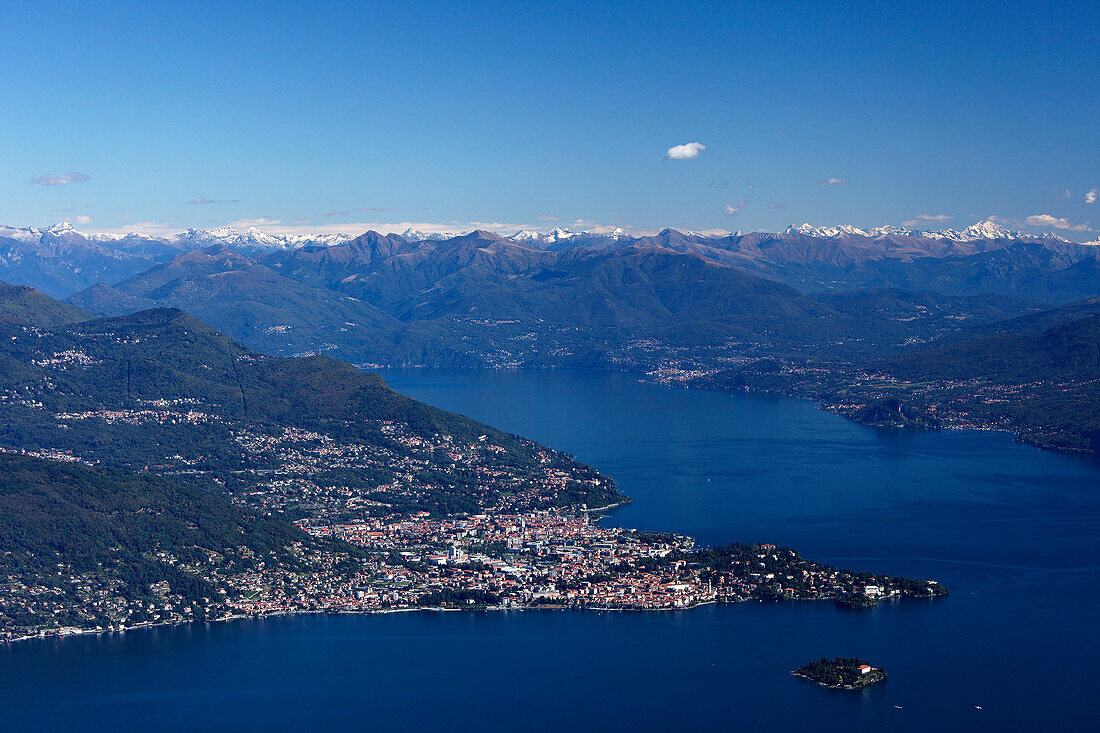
[[248, 301]]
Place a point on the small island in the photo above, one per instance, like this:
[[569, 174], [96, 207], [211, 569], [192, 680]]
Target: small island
[[842, 673]]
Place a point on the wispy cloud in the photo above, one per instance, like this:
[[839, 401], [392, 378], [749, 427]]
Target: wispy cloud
[[934, 217], [719, 184], [335, 213], [735, 209], [1090, 197], [263, 221], [83, 219], [834, 182], [1066, 195], [1046, 220], [151, 228], [751, 187], [776, 204], [60, 179], [306, 227], [548, 217], [687, 151], [372, 208], [201, 201]]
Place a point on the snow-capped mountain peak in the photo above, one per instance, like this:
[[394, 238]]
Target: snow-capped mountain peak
[[417, 235], [22, 234], [558, 234], [988, 229], [890, 231], [985, 229], [825, 232]]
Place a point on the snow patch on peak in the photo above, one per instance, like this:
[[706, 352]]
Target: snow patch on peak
[[23, 234]]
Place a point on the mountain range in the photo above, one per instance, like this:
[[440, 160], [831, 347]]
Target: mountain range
[[483, 300], [61, 260], [562, 298]]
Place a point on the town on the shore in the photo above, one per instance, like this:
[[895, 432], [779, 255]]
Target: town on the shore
[[370, 544]]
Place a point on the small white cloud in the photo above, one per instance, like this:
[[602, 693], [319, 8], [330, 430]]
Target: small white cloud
[[372, 208], [834, 182], [776, 204], [934, 217], [60, 179], [548, 217], [200, 201], [687, 151], [1066, 195], [735, 209], [1090, 197], [751, 187], [83, 219], [1046, 220]]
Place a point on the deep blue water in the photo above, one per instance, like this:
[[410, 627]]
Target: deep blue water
[[1011, 529]]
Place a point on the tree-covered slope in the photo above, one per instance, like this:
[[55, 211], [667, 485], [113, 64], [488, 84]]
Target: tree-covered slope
[[165, 354], [1068, 352], [93, 515], [26, 306], [100, 548], [159, 390]]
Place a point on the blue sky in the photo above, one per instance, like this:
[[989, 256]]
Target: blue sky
[[334, 115]]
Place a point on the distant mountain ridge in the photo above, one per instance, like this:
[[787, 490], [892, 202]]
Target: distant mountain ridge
[[254, 239], [62, 260], [564, 298], [248, 300]]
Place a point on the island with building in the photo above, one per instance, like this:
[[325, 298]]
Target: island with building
[[841, 673]]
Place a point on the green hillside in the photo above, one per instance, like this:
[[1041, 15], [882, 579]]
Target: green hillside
[[103, 548], [160, 390], [1066, 352], [26, 306]]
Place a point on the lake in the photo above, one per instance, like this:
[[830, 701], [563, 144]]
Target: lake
[[1013, 531]]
